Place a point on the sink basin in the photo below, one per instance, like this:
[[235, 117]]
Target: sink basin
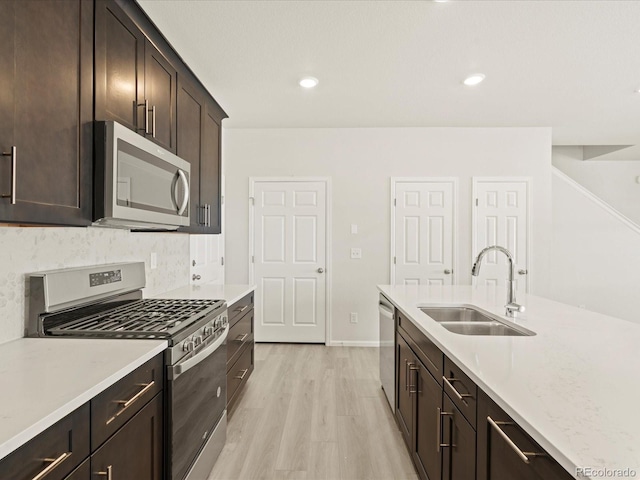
[[468, 320]]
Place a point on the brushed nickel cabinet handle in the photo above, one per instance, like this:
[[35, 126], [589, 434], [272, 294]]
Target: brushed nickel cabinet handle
[[244, 335], [244, 372], [524, 456], [14, 158], [406, 374], [413, 388], [153, 121], [242, 309], [146, 116], [127, 403], [208, 215], [107, 473], [54, 463], [461, 396], [439, 443]]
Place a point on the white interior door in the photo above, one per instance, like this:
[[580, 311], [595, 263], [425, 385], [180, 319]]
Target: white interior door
[[289, 260], [423, 231], [501, 218], [207, 259]]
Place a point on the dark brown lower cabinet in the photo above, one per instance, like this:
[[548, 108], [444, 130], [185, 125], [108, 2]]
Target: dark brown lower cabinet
[[83, 472], [404, 399], [427, 450], [240, 348], [458, 444], [135, 451], [57, 451], [506, 451]]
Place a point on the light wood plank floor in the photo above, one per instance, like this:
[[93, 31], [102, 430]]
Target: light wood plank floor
[[313, 412]]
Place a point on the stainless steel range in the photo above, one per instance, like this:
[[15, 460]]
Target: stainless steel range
[[106, 302]]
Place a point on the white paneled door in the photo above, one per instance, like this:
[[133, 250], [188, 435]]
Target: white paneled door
[[289, 260], [501, 218], [423, 231]]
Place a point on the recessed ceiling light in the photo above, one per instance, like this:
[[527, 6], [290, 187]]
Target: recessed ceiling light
[[474, 79], [308, 82]]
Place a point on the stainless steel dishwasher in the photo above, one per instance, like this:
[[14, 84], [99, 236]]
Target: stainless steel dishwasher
[[387, 316]]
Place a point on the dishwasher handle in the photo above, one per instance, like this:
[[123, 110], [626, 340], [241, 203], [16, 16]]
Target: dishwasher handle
[[385, 311]]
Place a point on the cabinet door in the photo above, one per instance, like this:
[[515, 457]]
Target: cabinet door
[[83, 472], [119, 68], [459, 444], [404, 400], [428, 423], [210, 170], [160, 91], [52, 114], [135, 451], [190, 126]]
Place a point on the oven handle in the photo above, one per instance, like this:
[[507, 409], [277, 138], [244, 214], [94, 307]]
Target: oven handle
[[186, 365]]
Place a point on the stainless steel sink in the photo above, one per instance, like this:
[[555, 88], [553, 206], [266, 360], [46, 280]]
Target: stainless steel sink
[[469, 320]]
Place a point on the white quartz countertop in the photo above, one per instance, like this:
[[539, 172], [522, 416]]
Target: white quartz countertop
[[574, 387], [209, 291], [45, 379]]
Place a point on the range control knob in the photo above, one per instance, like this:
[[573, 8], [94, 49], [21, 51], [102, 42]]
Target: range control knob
[[188, 346]]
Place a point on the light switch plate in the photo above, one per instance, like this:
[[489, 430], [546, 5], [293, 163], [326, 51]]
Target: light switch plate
[[356, 253], [153, 261], [354, 228]]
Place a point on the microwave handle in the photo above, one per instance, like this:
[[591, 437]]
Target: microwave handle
[[185, 199]]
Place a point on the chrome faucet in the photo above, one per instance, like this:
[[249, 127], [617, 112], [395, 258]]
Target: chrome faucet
[[512, 307]]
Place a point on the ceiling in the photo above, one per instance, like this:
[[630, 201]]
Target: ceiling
[[570, 65]]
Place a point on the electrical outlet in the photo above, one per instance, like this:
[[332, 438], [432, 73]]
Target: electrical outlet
[[353, 317], [354, 228], [356, 253], [153, 261]]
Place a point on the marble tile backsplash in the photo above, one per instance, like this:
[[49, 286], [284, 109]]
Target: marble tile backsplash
[[33, 249]]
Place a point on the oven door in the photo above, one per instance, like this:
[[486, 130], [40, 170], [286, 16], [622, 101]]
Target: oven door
[[197, 396]]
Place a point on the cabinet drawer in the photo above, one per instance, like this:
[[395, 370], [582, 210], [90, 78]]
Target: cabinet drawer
[[461, 389], [118, 403], [136, 451], [424, 348], [83, 472], [239, 334], [59, 449], [238, 374], [238, 309], [505, 450]]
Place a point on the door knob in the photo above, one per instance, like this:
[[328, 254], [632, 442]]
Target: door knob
[[195, 277], [321, 270], [522, 271], [447, 271]]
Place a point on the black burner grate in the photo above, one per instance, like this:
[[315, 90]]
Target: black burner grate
[[158, 318]]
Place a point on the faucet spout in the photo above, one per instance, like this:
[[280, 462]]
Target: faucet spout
[[512, 307]]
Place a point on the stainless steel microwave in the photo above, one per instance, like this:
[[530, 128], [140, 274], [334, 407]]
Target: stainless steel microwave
[[138, 185]]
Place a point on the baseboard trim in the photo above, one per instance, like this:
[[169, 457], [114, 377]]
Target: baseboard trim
[[351, 343]]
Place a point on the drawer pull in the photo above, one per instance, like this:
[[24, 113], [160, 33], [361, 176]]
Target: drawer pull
[[127, 403], [461, 396], [107, 473], [54, 463], [244, 335], [413, 388], [242, 309], [241, 377], [524, 456], [439, 443]]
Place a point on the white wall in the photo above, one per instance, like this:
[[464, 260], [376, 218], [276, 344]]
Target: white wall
[[613, 181], [595, 256], [360, 163], [28, 250]]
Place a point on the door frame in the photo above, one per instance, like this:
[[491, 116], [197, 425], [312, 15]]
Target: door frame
[[474, 218], [454, 244], [328, 219]]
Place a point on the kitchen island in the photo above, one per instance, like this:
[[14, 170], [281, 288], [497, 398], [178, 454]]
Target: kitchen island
[[572, 387]]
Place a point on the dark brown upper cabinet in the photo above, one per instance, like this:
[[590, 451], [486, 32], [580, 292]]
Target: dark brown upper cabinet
[[46, 111], [199, 132], [135, 84]]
